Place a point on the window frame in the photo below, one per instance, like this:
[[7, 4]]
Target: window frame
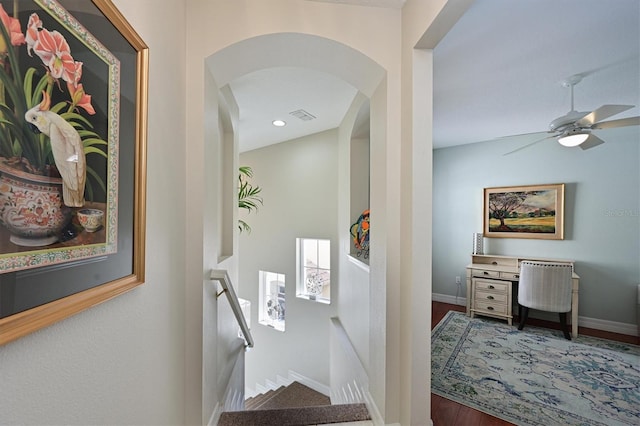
[[301, 288], [264, 317]]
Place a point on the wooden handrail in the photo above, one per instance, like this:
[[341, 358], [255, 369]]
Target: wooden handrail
[[222, 276]]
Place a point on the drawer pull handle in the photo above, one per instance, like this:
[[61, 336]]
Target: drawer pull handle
[[491, 287], [490, 308], [490, 297], [486, 273], [516, 276]]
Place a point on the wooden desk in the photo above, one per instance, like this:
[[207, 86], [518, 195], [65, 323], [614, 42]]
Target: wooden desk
[[489, 286]]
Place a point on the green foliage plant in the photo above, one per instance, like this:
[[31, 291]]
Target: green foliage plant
[[248, 195]]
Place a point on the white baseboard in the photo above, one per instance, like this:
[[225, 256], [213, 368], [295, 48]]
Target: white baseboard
[[292, 376], [315, 385], [610, 326], [598, 324], [376, 417], [215, 415], [452, 300]]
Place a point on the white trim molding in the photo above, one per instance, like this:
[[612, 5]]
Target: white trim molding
[[595, 323], [452, 300]]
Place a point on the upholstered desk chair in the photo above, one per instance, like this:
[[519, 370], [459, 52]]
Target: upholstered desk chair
[[545, 286]]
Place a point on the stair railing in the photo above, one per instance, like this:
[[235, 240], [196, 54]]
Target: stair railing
[[222, 276]]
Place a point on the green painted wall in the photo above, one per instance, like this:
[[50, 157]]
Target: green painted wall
[[602, 213]]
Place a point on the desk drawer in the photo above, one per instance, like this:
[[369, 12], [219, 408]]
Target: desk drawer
[[510, 276], [489, 297], [494, 308], [493, 286], [485, 273]]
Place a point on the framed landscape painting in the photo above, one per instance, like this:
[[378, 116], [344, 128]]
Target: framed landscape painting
[[530, 211], [73, 105]]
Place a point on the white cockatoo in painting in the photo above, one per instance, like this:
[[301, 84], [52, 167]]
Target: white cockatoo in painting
[[67, 148]]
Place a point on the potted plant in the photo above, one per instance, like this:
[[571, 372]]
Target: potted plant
[[40, 85], [248, 197]]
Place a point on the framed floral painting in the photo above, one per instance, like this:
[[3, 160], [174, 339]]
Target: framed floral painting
[[73, 99], [530, 211]]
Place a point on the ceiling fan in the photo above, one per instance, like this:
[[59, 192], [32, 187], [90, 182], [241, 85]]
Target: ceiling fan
[[574, 128]]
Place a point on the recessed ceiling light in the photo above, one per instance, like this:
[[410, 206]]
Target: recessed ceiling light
[[278, 123]]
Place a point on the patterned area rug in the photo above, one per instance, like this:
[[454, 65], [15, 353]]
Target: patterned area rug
[[535, 376]]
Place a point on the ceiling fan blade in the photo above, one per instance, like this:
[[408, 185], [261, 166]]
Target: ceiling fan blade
[[530, 144], [591, 142], [605, 111], [520, 135], [631, 121]]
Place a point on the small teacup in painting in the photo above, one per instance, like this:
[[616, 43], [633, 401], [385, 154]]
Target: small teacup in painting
[[90, 219]]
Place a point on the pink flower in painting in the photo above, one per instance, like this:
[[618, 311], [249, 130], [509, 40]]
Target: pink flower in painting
[[77, 73], [53, 49], [33, 27], [12, 25], [22, 82], [80, 98], [55, 53]]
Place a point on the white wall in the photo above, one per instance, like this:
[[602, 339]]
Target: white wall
[[423, 25], [354, 194], [299, 185], [602, 213], [122, 362], [215, 25], [221, 349], [377, 35], [134, 352]]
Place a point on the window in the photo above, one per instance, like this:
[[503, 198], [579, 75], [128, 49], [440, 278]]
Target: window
[[272, 300], [314, 269]]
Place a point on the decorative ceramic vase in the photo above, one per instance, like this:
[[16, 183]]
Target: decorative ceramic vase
[[477, 243], [31, 207], [314, 284]]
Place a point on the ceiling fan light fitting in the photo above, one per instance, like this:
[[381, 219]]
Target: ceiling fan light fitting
[[573, 138], [566, 120]]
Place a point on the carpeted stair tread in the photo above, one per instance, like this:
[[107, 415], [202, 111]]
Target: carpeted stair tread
[[294, 395], [255, 402], [297, 416]]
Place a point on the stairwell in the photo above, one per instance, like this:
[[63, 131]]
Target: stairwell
[[295, 405]]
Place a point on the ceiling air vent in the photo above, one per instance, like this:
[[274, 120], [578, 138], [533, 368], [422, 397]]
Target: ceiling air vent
[[302, 115]]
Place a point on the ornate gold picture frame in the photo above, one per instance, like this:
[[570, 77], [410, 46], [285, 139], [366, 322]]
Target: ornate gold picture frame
[[531, 211]]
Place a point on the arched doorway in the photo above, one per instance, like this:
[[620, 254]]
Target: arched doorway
[[367, 78]]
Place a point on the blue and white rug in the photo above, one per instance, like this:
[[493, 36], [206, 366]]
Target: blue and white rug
[[535, 376]]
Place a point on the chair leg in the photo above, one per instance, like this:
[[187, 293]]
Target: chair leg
[[563, 324], [519, 311], [524, 314]]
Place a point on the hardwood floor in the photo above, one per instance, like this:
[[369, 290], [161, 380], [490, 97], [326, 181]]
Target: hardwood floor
[[448, 413]]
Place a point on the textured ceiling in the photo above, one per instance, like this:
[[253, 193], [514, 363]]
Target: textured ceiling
[[321, 99], [498, 72]]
